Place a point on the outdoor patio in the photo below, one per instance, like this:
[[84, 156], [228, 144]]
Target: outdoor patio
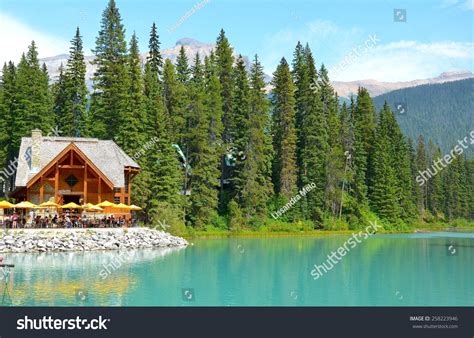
[[26, 215]]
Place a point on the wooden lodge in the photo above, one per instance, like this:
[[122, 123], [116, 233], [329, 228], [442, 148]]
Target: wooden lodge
[[72, 169]]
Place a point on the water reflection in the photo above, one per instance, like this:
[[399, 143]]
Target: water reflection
[[73, 278], [386, 270]]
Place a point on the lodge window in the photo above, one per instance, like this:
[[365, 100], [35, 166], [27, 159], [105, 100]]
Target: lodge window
[[72, 180], [116, 200], [126, 182], [126, 200]]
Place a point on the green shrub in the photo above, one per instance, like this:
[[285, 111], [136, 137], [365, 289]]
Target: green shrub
[[272, 225], [218, 222], [236, 219], [461, 223], [169, 218], [334, 223]]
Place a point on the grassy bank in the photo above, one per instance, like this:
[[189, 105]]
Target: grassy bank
[[213, 232]]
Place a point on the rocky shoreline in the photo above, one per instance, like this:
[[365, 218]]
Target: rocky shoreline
[[62, 240]]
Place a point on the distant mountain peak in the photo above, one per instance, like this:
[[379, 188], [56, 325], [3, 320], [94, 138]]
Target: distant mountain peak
[[375, 87], [455, 73], [56, 57], [190, 42]]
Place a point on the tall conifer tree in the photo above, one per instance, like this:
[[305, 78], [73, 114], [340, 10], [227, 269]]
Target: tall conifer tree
[[111, 103], [75, 89], [284, 133], [253, 182]]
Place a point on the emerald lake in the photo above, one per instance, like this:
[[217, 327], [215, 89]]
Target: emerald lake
[[429, 269]]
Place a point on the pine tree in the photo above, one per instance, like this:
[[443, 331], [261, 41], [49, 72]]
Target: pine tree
[[111, 102], [182, 66], [346, 136], [63, 117], [470, 187], [240, 114], [454, 186], [421, 166], [383, 197], [461, 210], [311, 126], [130, 135], [182, 99], [335, 158], [174, 94], [364, 131], [154, 58], [205, 133], [47, 121], [303, 97], [435, 189], [75, 90], [163, 178], [33, 101], [253, 182], [7, 110], [224, 62], [400, 162], [415, 187], [284, 133]]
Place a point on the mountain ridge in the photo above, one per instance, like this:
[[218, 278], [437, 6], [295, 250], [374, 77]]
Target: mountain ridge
[[192, 46], [442, 112]]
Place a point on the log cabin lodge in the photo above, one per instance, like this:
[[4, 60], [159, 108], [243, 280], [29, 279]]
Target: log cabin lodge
[[72, 169]]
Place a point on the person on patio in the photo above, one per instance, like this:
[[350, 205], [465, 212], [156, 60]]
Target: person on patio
[[14, 220], [68, 221]]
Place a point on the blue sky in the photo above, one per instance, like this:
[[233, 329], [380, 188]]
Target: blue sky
[[437, 36]]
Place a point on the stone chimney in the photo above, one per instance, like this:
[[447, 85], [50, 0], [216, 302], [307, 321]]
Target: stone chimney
[[36, 140]]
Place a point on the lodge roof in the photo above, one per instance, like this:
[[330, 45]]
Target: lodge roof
[[106, 155]]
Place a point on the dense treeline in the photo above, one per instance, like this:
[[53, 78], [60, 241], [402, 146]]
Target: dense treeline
[[228, 154], [441, 112]]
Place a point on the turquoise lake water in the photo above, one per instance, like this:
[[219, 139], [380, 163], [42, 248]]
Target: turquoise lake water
[[383, 270]]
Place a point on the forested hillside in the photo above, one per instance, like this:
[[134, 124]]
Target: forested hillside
[[229, 157], [443, 113]]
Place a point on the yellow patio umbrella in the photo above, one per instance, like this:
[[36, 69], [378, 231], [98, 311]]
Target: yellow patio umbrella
[[6, 205], [121, 206], [71, 205], [87, 206], [135, 208], [105, 204], [92, 208], [25, 205], [49, 205]]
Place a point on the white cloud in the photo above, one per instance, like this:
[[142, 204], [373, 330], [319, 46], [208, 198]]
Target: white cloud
[[324, 38], [384, 60], [409, 60], [465, 5], [16, 36], [469, 5]]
